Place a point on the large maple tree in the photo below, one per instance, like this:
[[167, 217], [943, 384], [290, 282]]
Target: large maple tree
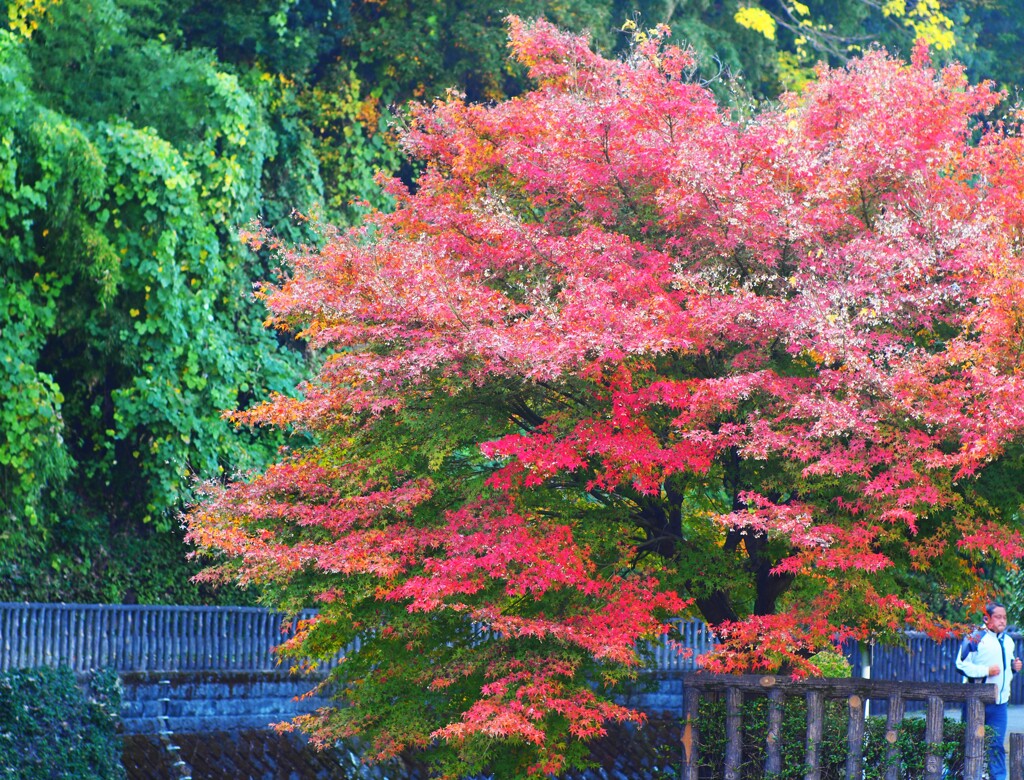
[[620, 356]]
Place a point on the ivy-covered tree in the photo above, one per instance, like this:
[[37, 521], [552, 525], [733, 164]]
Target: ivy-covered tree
[[619, 356], [990, 43], [126, 315], [342, 68]]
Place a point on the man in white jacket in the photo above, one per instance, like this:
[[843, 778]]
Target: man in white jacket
[[990, 654]]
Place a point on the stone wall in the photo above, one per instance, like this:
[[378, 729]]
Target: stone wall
[[195, 702], [216, 725], [659, 694], [191, 702], [626, 753]]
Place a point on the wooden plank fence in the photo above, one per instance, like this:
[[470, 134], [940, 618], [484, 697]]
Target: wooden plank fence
[[694, 636], [925, 660], [135, 638], [131, 638]]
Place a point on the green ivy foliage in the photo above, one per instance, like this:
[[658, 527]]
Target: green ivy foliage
[[127, 319], [737, 62], [50, 729], [282, 36], [340, 72], [419, 48], [756, 65]]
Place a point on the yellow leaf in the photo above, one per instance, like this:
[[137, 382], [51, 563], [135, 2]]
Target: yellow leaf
[[895, 8], [758, 20]]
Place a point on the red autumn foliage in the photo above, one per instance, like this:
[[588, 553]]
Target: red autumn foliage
[[619, 357]]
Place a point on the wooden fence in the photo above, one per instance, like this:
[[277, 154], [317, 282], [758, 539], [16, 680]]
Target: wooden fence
[[132, 638], [139, 638], [155, 638], [816, 692]]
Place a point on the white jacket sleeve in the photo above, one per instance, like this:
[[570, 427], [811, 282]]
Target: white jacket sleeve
[[971, 669], [967, 660]]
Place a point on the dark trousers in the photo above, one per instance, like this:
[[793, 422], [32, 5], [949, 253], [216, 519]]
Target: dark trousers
[[995, 719]]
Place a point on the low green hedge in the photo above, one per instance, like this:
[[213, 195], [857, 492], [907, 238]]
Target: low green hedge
[[50, 729], [833, 750]]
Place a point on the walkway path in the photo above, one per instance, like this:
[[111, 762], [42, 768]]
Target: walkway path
[[1014, 720]]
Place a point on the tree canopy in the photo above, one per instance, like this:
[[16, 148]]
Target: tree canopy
[[620, 356]]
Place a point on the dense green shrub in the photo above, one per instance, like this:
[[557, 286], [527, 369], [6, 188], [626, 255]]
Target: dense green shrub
[[50, 729], [833, 751]]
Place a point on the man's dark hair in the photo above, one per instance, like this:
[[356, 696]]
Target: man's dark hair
[[992, 606]]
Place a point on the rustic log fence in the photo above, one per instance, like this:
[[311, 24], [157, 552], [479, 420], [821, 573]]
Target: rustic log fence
[[816, 692]]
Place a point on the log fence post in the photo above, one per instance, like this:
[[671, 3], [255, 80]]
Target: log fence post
[[892, 725], [855, 738], [733, 733], [974, 740], [815, 729], [691, 734], [933, 739], [1016, 756], [773, 758]]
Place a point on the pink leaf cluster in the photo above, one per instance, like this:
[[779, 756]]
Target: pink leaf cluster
[[817, 312]]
